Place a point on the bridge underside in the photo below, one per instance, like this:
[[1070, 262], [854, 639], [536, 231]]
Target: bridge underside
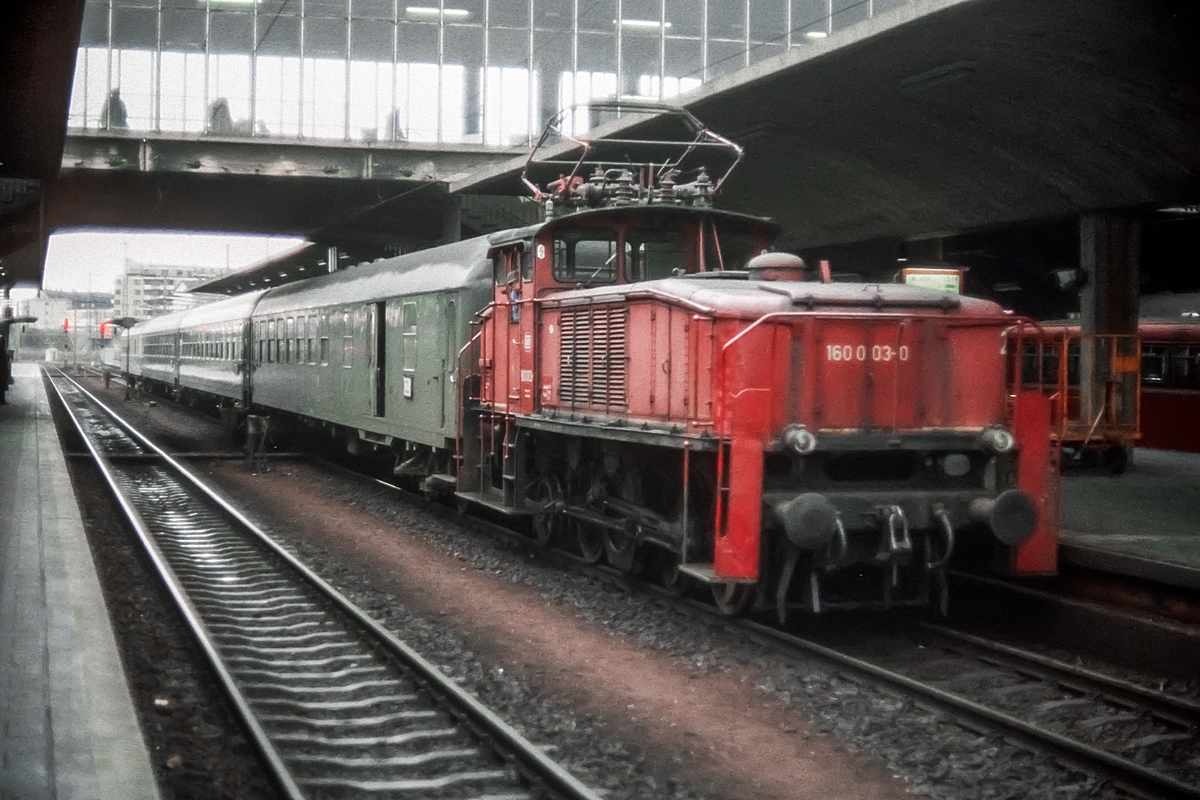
[[939, 117], [951, 116]]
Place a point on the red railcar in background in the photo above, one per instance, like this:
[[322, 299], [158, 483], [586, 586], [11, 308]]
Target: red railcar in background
[[1148, 391], [1170, 380]]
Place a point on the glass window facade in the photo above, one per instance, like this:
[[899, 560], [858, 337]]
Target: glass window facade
[[486, 72]]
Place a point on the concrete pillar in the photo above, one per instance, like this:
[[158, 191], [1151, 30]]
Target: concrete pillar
[[451, 220], [1109, 250]]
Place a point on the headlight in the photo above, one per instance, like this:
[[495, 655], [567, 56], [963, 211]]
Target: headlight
[[955, 465], [799, 439], [998, 440]]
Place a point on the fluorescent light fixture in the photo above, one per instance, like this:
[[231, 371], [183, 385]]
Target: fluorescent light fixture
[[643, 24], [432, 13], [815, 34]]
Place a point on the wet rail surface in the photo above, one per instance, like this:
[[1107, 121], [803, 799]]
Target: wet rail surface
[[338, 707], [1146, 742]]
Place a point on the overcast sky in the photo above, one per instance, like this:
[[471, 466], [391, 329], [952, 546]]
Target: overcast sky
[[91, 260]]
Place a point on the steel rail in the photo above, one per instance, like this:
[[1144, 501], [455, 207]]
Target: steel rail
[[542, 773], [1068, 750], [1176, 710], [283, 777], [1079, 753]]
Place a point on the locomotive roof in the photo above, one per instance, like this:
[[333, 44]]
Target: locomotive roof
[[711, 293], [450, 266], [593, 215]]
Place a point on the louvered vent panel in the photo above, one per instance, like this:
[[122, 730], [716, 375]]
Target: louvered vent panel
[[592, 356]]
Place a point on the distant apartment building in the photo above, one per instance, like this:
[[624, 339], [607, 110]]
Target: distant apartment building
[[148, 290]]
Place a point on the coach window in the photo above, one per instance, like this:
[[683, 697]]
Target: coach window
[[1183, 366], [312, 339], [1073, 363], [300, 355], [654, 254], [408, 325], [1154, 364], [347, 342], [586, 256]]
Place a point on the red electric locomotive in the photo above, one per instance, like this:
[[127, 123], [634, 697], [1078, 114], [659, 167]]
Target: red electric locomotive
[[657, 388]]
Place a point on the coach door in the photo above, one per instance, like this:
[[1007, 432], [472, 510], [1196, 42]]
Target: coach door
[[446, 380], [245, 360], [377, 351]]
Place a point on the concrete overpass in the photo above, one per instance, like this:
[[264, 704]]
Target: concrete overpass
[[945, 116], [938, 117]]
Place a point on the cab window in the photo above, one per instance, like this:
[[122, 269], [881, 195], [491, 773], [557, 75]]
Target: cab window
[[736, 248], [585, 256], [650, 255], [505, 264]]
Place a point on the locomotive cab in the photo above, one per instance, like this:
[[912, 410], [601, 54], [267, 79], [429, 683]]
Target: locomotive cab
[[613, 247]]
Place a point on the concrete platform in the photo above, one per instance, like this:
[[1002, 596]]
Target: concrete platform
[[1145, 523], [67, 725]]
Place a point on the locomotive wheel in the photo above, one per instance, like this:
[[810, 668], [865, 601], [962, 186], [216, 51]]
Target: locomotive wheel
[[733, 599], [591, 542], [548, 519]]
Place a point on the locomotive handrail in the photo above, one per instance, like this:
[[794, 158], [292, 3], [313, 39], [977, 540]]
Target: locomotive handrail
[[851, 315], [462, 351]]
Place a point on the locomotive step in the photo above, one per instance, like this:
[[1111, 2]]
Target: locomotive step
[[491, 501], [703, 573]]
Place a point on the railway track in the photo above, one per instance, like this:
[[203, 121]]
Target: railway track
[[337, 706], [1146, 742]]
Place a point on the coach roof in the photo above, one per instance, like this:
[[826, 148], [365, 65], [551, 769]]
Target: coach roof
[[451, 266]]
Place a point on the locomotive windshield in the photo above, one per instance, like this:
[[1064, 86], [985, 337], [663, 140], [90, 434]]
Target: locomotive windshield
[[647, 248], [726, 249], [654, 254], [587, 256]]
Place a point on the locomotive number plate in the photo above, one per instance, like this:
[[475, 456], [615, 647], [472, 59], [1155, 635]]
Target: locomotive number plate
[[878, 352]]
